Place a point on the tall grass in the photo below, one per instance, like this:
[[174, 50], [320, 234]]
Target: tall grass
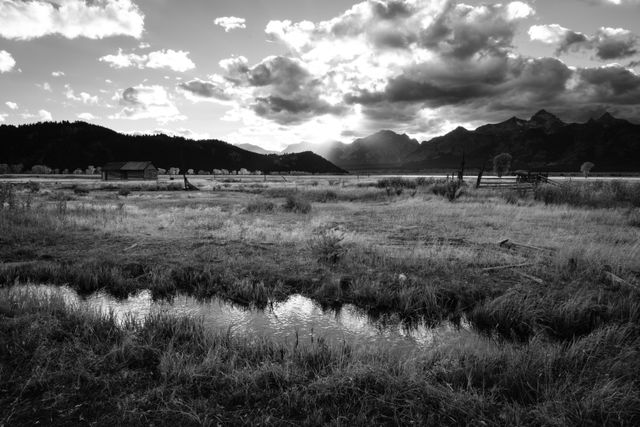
[[598, 194], [69, 367]]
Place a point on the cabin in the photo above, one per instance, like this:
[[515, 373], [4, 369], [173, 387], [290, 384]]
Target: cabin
[[129, 171]]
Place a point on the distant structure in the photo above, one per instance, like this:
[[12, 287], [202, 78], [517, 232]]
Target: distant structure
[[129, 170]]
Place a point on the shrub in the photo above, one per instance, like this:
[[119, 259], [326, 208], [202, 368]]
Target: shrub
[[422, 181], [396, 182], [451, 189], [326, 196], [260, 206], [7, 196], [327, 246], [33, 186], [297, 205]]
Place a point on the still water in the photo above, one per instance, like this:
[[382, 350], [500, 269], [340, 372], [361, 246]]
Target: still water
[[297, 317]]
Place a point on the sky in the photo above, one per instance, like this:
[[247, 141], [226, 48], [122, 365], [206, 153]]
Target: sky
[[278, 72]]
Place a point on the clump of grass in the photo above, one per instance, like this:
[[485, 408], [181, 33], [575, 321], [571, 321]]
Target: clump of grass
[[81, 191], [8, 198], [451, 189], [592, 194], [521, 313], [327, 245], [633, 218], [33, 186], [326, 196], [260, 206], [296, 204], [396, 182]]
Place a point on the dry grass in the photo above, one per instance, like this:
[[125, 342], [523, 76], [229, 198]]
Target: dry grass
[[415, 255]]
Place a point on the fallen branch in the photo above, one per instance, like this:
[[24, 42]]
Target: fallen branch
[[510, 245], [130, 247], [531, 277], [619, 280], [504, 267]]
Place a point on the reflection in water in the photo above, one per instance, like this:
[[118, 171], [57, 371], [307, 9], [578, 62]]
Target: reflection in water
[[298, 316]]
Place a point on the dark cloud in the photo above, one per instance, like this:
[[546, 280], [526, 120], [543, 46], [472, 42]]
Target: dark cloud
[[391, 9], [285, 75], [615, 43], [284, 90], [572, 41], [205, 89], [544, 78], [129, 97], [606, 43], [613, 84], [462, 31]]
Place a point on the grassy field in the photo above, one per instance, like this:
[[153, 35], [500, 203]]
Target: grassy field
[[559, 335]]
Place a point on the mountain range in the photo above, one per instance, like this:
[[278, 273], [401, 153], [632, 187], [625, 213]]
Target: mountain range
[[71, 145], [382, 150], [543, 142]]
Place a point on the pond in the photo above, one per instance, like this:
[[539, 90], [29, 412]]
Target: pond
[[297, 317]]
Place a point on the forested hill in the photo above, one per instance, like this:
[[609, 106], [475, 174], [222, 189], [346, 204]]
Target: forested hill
[[71, 145]]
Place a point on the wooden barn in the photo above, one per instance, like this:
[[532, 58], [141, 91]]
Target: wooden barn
[[129, 170]]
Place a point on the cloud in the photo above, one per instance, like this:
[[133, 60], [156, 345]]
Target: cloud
[[45, 116], [147, 102], [419, 66], [282, 89], [6, 61], [199, 89], [83, 97], [235, 66], [606, 43], [94, 19], [3, 117], [45, 86], [11, 105], [612, 84], [86, 116], [615, 43], [57, 73], [174, 60], [390, 56], [230, 23]]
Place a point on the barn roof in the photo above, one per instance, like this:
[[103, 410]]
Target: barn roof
[[126, 166]]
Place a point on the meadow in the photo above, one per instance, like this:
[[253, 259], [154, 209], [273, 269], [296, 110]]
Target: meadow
[[549, 280]]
